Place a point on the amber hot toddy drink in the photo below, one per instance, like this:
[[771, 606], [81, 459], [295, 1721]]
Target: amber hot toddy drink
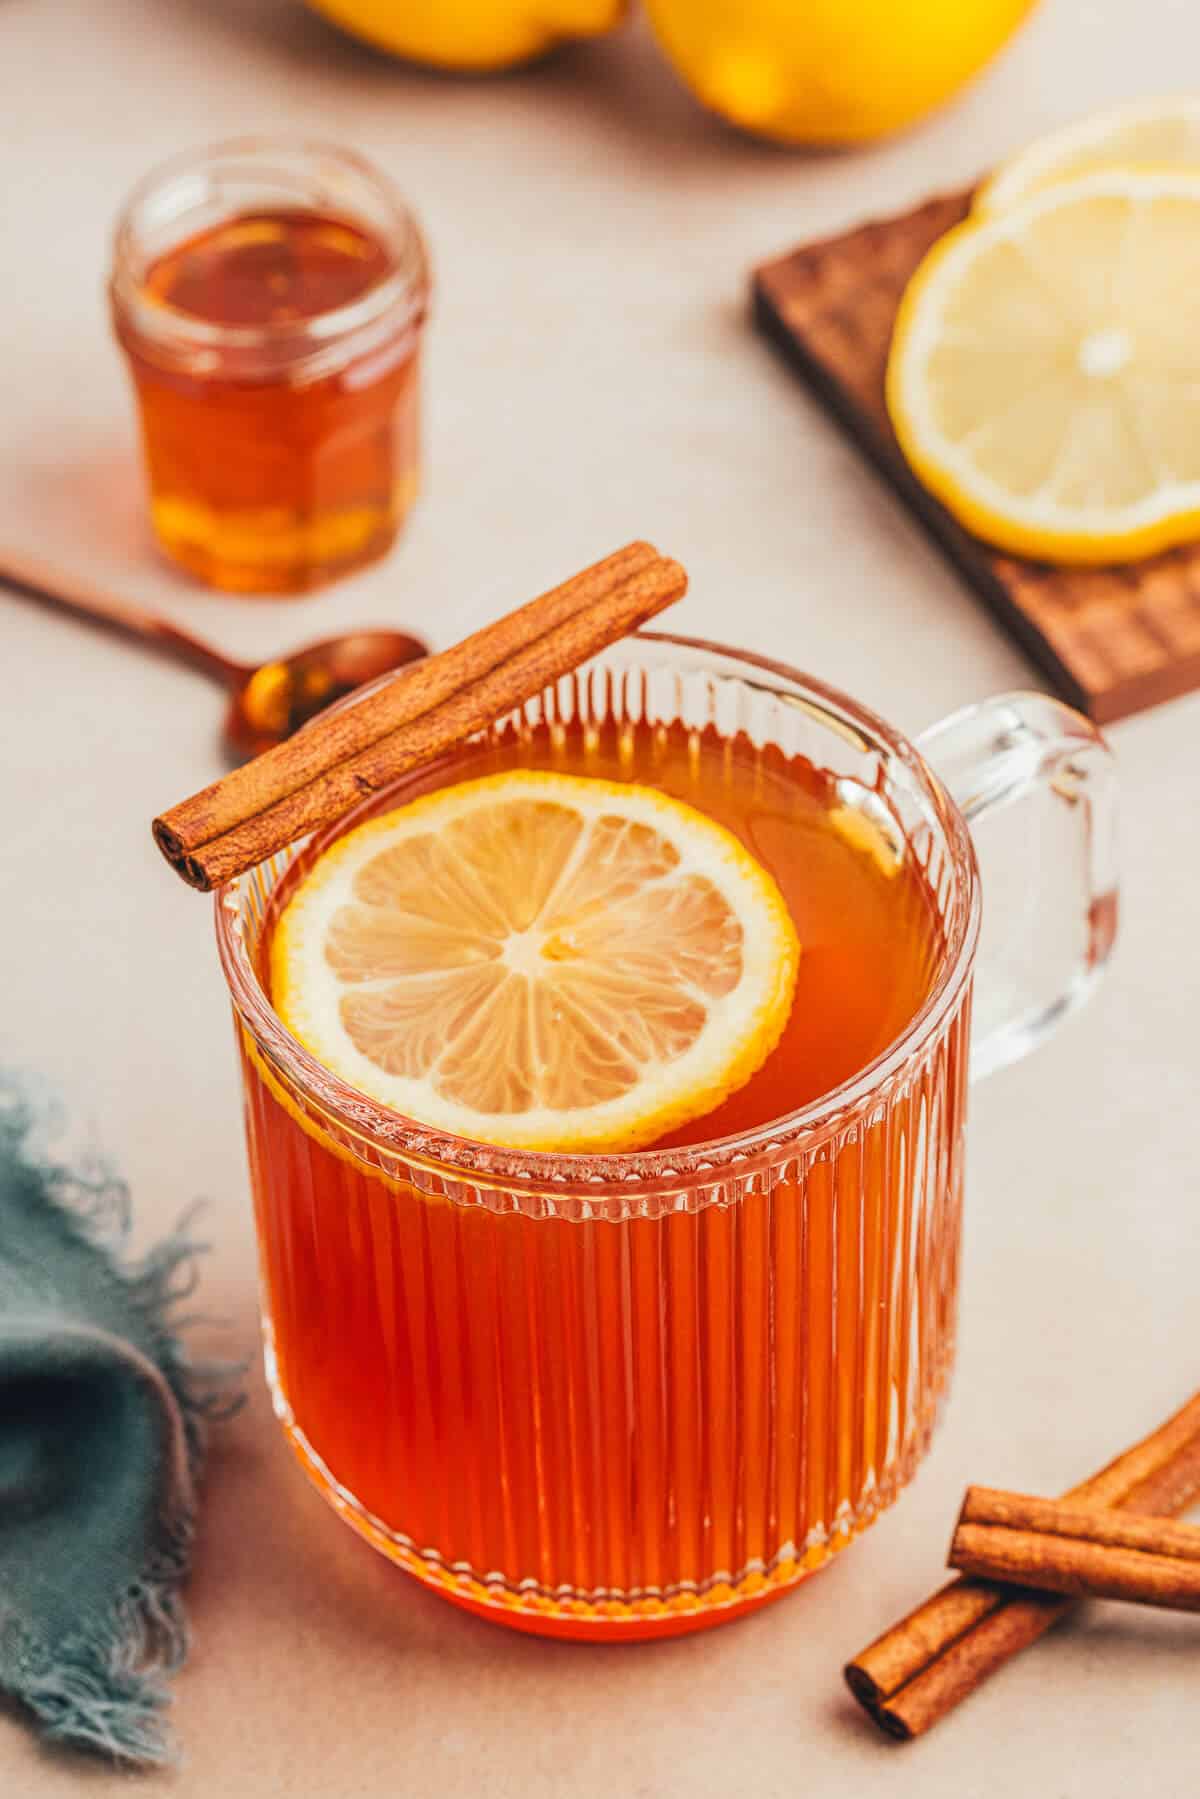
[[609, 1392]]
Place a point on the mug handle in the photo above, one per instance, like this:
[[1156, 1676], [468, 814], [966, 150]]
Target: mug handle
[[1036, 783]]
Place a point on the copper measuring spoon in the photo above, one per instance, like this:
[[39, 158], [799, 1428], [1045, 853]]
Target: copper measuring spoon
[[267, 701]]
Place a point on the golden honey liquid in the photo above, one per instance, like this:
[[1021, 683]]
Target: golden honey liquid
[[632, 1421], [275, 484]]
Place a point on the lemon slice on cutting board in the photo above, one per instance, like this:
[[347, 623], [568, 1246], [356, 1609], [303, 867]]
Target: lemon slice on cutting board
[[1159, 134], [1044, 375], [540, 960]]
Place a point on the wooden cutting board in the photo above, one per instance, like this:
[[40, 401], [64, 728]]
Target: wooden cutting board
[[1113, 640]]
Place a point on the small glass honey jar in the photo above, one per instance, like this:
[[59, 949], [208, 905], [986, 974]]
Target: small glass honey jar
[[270, 296]]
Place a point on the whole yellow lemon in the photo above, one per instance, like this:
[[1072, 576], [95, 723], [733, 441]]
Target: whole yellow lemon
[[472, 34], [829, 71]]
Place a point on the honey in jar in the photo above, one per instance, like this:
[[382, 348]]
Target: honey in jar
[[269, 298]]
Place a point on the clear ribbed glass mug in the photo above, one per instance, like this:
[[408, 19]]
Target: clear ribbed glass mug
[[620, 1396]]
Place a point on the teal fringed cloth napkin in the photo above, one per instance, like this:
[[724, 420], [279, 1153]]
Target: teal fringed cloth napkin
[[102, 1421]]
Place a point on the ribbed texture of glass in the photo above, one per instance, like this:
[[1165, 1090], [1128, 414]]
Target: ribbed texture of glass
[[623, 1405], [606, 1420]]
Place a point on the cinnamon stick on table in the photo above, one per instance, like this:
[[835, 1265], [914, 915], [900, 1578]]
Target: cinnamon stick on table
[[919, 1670], [1086, 1551], [326, 768]]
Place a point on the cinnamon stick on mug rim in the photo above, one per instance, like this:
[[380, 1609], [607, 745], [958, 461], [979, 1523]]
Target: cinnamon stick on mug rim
[[1088, 1552], [327, 740], [915, 1673], [337, 760]]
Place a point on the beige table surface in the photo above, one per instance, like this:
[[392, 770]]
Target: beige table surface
[[591, 376]]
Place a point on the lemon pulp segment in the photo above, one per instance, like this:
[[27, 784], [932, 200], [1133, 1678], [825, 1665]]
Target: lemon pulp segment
[[539, 960]]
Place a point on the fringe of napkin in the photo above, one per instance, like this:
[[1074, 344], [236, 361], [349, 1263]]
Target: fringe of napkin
[[105, 1688]]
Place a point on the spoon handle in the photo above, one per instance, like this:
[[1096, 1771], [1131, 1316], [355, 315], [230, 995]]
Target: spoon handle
[[75, 593]]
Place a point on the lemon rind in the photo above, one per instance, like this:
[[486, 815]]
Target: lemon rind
[[706, 1074], [983, 506]]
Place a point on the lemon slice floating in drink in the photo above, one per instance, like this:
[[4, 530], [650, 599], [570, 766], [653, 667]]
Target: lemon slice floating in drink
[[540, 960], [1156, 134], [1044, 375]]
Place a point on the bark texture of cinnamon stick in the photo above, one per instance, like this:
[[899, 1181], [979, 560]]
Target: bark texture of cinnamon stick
[[1087, 1552], [919, 1670], [340, 758]]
